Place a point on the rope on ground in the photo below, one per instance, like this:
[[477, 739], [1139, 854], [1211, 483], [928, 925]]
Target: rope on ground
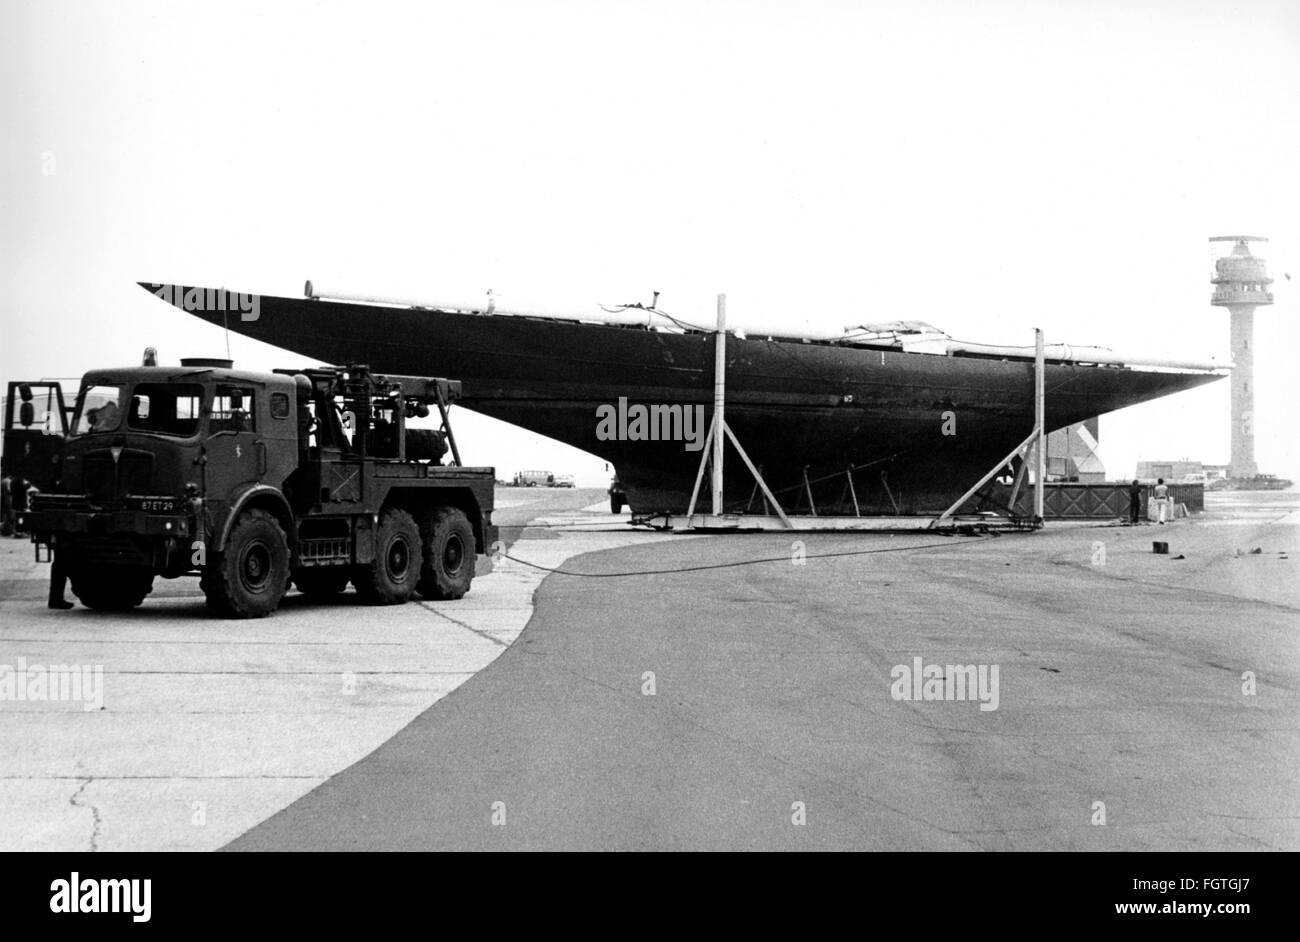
[[600, 525], [731, 565]]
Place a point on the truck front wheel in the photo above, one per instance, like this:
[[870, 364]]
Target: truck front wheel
[[392, 577], [110, 588], [448, 555], [250, 577]]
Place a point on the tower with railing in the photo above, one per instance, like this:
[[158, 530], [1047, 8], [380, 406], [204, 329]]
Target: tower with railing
[[1241, 284]]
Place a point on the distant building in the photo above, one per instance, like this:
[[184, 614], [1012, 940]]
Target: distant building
[[1183, 470]]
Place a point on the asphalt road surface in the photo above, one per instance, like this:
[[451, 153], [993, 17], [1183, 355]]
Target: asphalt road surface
[[1144, 702]]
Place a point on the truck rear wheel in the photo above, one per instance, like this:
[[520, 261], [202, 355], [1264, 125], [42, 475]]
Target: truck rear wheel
[[110, 588], [615, 504], [448, 555], [321, 582], [392, 577], [250, 577]]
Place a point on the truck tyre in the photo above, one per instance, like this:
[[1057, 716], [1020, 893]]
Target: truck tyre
[[391, 579], [110, 588], [615, 504], [321, 582], [448, 554], [248, 579]]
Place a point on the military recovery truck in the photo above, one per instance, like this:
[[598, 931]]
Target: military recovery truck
[[256, 480]]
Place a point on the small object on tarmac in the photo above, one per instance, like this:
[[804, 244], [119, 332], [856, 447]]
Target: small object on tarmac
[[1256, 551], [1159, 548], [1180, 556]]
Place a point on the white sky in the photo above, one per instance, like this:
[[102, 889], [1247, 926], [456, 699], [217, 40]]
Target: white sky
[[987, 166]]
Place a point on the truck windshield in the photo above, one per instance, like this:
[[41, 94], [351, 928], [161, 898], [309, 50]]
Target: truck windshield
[[166, 408], [99, 409]]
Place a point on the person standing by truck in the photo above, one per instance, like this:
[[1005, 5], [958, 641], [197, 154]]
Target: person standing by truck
[[7, 514], [16, 492], [58, 582]]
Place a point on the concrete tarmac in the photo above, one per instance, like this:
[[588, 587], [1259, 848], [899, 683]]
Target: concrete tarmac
[[1144, 702], [209, 726]]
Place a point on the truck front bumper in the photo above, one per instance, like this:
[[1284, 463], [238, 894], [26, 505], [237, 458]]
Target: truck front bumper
[[45, 523]]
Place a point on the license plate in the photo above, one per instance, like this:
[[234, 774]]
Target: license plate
[[155, 504]]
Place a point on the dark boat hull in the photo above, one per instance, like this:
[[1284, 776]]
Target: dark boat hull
[[797, 407]]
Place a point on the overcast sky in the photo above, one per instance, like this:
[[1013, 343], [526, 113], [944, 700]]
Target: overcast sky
[[987, 166]]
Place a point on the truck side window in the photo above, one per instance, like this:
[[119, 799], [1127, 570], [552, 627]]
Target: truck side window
[[279, 406], [232, 410]]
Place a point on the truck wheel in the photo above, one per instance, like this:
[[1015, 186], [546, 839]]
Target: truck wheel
[[392, 577], [615, 504], [448, 555], [250, 577], [321, 582], [111, 588]]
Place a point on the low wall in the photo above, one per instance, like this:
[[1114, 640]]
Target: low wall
[[1090, 501]]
